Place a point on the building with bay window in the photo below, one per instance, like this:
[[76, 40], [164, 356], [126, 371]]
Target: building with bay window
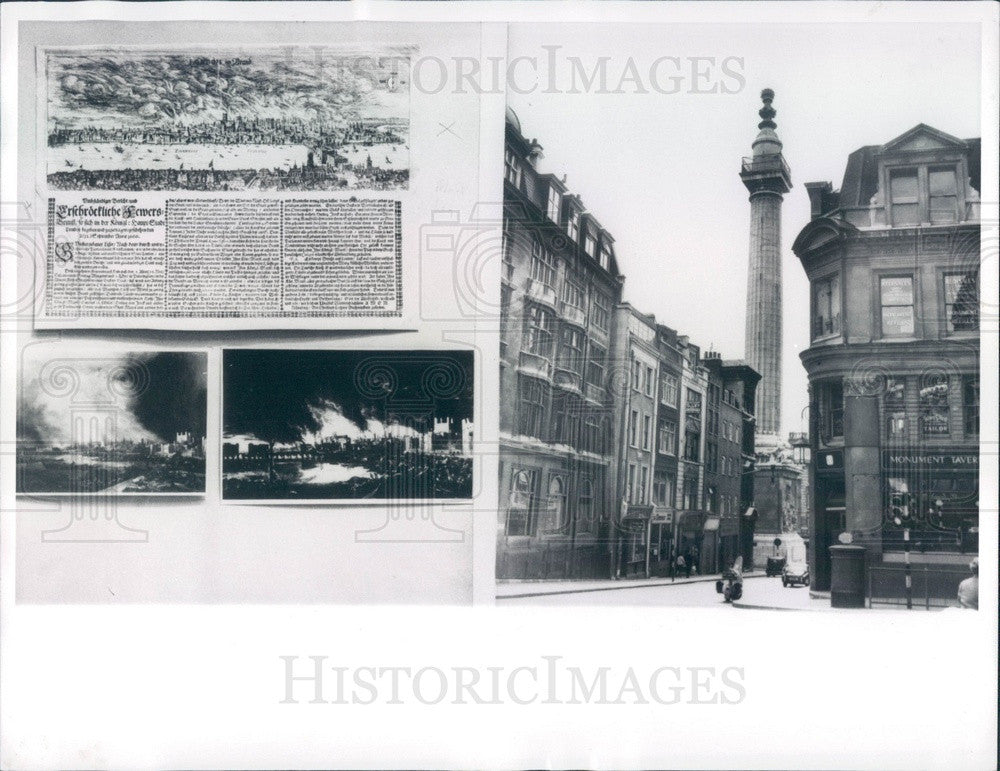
[[558, 453], [893, 262]]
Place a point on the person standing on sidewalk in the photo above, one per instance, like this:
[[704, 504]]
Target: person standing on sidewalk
[[968, 590], [681, 565]]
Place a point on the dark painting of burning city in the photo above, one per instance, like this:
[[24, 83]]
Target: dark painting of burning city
[[347, 425], [227, 119], [125, 423]]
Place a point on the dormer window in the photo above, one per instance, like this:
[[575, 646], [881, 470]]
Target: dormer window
[[943, 188], [590, 245], [903, 191], [923, 194], [605, 258], [573, 225], [553, 207]]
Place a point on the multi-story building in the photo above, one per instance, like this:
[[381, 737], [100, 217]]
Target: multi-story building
[[893, 262], [728, 422], [668, 423], [691, 516], [636, 405], [558, 476]]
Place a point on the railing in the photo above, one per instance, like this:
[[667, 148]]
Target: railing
[[932, 587], [761, 164]]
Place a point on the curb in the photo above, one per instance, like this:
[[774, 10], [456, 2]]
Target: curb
[[616, 585]]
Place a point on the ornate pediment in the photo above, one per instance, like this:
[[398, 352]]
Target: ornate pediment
[[921, 138]]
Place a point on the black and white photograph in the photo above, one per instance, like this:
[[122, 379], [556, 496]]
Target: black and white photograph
[[308, 425], [756, 382], [128, 423], [273, 119]]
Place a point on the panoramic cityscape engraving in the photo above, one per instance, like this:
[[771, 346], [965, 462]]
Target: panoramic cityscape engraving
[[347, 425], [291, 118], [131, 423]]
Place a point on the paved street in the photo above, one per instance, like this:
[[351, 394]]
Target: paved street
[[759, 592]]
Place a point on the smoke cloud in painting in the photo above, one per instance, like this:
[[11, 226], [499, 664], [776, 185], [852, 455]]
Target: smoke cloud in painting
[[146, 89], [126, 423]]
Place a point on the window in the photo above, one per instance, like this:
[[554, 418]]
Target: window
[[630, 493], [553, 207], [555, 514], [904, 196], [826, 307], [934, 410], [521, 502], [532, 407], [692, 439], [595, 365], [711, 457], [512, 168], [573, 225], [670, 390], [691, 493], [572, 293], [633, 427], [894, 403], [590, 245], [659, 490], [646, 431], [943, 198], [961, 301], [896, 297], [539, 325], [647, 381], [693, 401], [605, 258], [593, 436], [636, 374], [668, 438], [970, 405], [643, 483], [831, 410], [585, 507], [543, 265], [571, 350], [600, 313]]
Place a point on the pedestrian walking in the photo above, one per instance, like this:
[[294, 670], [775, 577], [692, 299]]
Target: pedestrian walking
[[968, 590]]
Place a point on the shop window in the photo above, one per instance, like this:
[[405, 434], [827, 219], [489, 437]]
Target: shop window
[[521, 502], [826, 307], [934, 408], [961, 301], [970, 405], [896, 297], [894, 404]]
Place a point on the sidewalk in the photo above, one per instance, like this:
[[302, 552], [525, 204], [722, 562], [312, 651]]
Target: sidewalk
[[527, 588]]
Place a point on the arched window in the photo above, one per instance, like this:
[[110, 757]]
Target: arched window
[[521, 503], [556, 518]]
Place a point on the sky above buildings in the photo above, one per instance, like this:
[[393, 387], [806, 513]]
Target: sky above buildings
[[660, 171]]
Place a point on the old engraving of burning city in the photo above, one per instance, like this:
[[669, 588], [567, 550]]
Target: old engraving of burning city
[[111, 423], [312, 425], [290, 118]]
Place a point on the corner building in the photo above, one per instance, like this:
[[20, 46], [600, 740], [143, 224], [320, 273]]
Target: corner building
[[893, 263]]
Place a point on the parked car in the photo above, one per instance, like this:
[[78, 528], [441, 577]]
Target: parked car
[[795, 573], [774, 566]]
